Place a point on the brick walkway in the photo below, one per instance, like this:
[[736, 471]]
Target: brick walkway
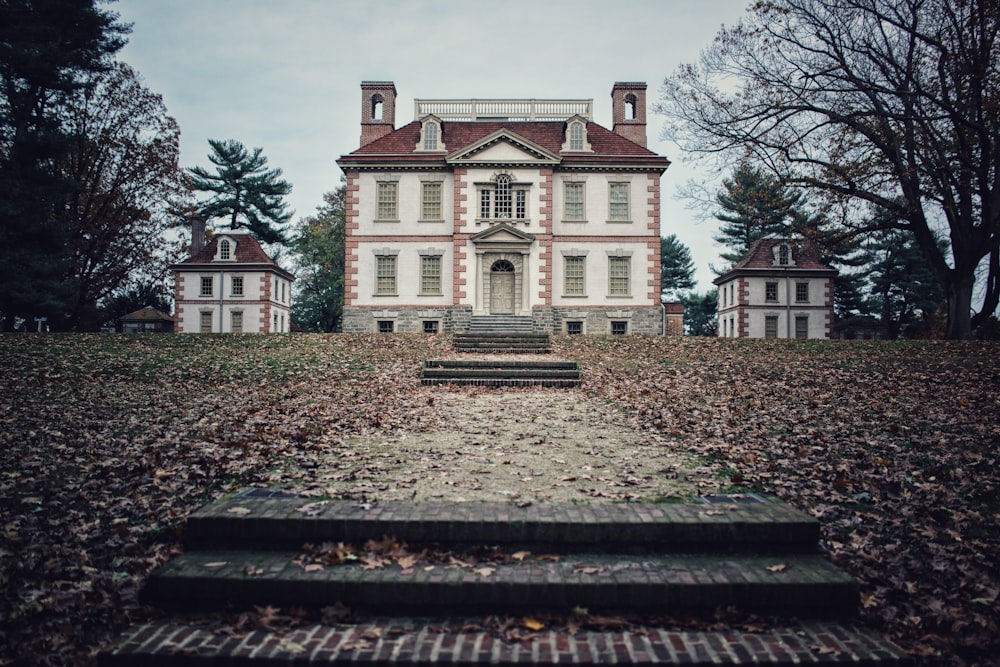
[[416, 643]]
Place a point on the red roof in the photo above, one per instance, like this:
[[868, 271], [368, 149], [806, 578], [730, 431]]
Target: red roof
[[248, 251], [455, 135], [761, 257]]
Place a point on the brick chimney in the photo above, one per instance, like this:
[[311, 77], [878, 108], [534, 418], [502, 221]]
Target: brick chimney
[[197, 234], [628, 104], [378, 110]]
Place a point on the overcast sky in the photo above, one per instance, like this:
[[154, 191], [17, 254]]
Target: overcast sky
[[285, 76]]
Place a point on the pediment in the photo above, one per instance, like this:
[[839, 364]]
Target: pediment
[[503, 147], [502, 234]]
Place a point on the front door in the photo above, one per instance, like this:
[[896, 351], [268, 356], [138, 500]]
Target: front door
[[502, 288]]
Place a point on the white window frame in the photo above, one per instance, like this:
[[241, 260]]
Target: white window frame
[[619, 285], [503, 199], [431, 210], [386, 275], [387, 201], [209, 283], [579, 187], [236, 321], [619, 211], [575, 283], [430, 284], [205, 321], [235, 281]]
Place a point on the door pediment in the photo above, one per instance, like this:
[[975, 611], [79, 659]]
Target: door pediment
[[502, 234]]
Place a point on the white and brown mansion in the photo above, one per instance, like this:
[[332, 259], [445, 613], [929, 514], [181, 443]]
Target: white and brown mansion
[[503, 209]]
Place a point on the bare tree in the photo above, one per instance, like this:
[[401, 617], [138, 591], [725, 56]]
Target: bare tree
[[887, 103]]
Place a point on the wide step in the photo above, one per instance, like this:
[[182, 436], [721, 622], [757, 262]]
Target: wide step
[[502, 342], [246, 521], [806, 586], [501, 373], [465, 642]]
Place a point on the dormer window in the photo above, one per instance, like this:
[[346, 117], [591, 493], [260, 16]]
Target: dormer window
[[576, 135], [226, 250], [430, 135], [783, 255]]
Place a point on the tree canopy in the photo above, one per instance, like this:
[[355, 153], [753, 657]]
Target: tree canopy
[[891, 103], [124, 161], [318, 246], [676, 266], [48, 50], [245, 193]]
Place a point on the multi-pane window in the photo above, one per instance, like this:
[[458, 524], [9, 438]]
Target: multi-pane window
[[576, 136], [802, 292], [770, 326], [784, 254], [386, 326], [619, 327], [206, 285], [573, 201], [387, 201], [503, 201], [501, 207], [771, 292], [430, 201], [574, 327], [431, 326], [575, 280], [205, 321], [236, 285], [385, 274], [430, 275], [802, 326], [236, 321], [225, 249], [619, 209], [618, 276], [430, 137]]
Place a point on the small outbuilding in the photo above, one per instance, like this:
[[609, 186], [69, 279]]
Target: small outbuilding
[[147, 320]]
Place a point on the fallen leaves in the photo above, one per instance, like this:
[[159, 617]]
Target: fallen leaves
[[107, 443]]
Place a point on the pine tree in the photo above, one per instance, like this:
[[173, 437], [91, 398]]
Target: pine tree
[[246, 193], [753, 206], [48, 50], [676, 266]]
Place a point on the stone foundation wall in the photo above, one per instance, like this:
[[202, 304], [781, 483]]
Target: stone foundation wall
[[546, 319]]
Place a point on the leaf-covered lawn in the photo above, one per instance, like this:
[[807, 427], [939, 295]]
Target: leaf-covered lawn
[[107, 442]]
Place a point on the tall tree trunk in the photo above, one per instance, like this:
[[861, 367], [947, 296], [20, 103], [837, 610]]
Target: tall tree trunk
[[959, 288]]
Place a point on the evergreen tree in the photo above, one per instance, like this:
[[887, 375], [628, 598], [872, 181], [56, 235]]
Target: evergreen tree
[[318, 244], [676, 266], [245, 192], [48, 50], [701, 313], [753, 206], [904, 290]]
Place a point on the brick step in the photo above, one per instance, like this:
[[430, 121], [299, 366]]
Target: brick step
[[501, 341], [502, 382], [494, 363], [798, 585], [463, 642], [257, 519], [503, 373]]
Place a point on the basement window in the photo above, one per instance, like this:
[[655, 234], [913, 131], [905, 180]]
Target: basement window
[[431, 326], [574, 327], [619, 327], [386, 326]]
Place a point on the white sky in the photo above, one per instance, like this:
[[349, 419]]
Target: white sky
[[285, 76]]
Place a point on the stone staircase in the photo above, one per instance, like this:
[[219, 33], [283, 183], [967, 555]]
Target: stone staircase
[[501, 334], [501, 373], [554, 587]]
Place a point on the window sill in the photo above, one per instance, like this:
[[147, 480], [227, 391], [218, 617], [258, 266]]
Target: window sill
[[619, 296], [385, 295], [431, 294], [619, 222], [378, 220], [574, 296], [431, 220], [574, 222]]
